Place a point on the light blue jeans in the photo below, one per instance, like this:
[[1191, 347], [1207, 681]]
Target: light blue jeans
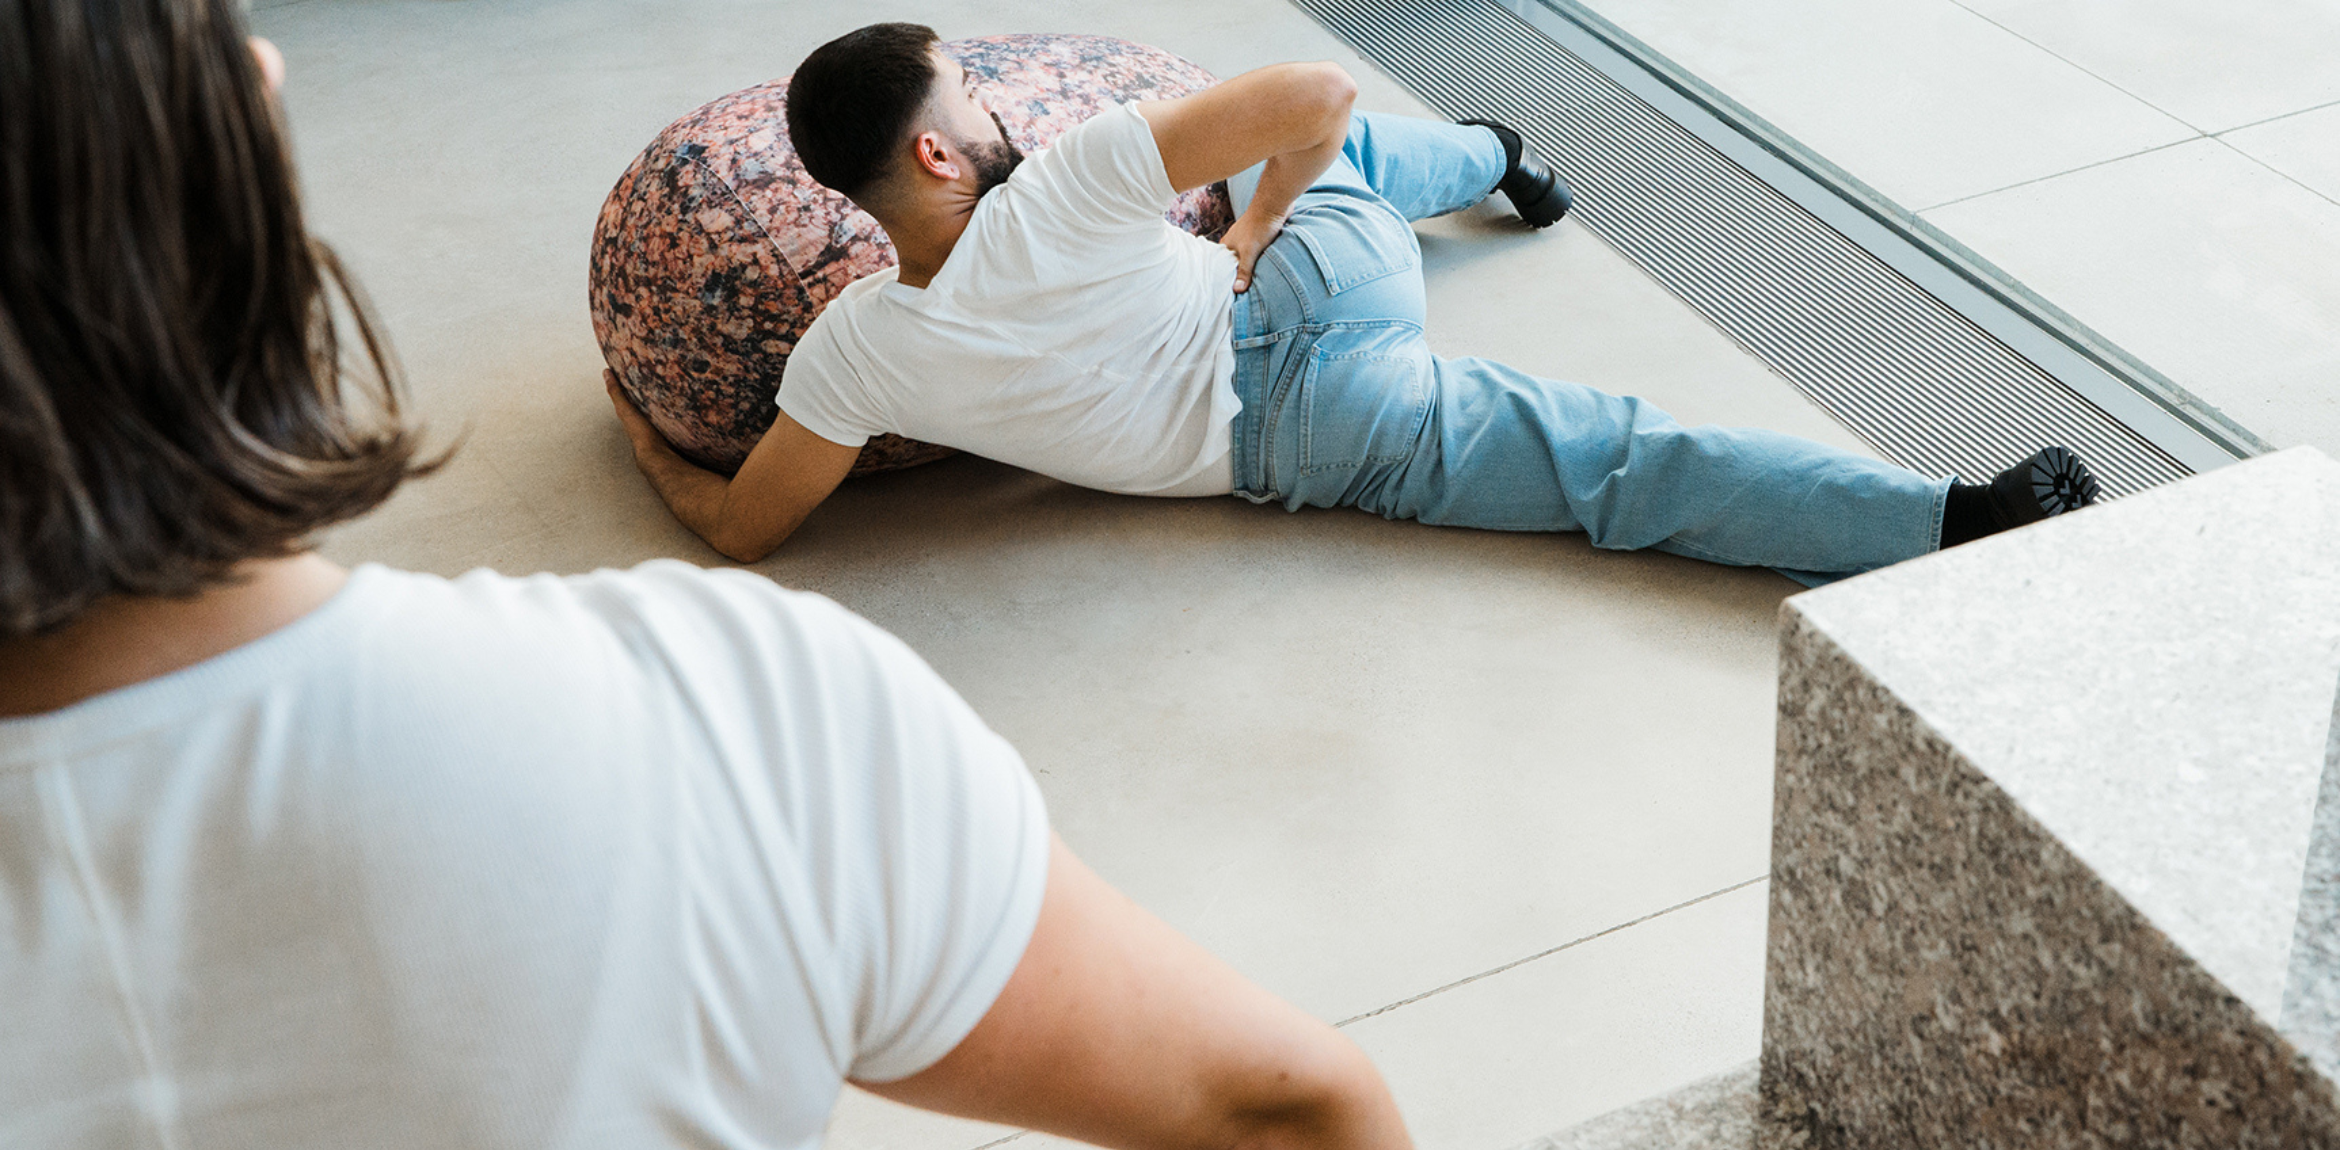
[[1343, 404]]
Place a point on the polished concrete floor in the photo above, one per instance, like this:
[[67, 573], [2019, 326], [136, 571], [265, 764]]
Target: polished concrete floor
[[1502, 800], [2165, 170]]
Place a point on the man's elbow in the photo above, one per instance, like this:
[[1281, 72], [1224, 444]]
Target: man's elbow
[[1335, 91], [744, 554], [740, 549]]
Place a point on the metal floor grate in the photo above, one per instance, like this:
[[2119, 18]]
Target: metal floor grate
[[1914, 377]]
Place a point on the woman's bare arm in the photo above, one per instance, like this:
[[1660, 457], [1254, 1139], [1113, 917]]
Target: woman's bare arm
[[1119, 1031]]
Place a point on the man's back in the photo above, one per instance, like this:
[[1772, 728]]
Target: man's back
[[1072, 331], [640, 858]]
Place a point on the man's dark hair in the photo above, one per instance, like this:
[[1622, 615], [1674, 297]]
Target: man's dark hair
[[171, 388], [852, 102]]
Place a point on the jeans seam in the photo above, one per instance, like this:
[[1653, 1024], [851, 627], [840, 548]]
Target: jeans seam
[[1693, 551], [1933, 540], [1279, 389], [1276, 257], [1306, 395]]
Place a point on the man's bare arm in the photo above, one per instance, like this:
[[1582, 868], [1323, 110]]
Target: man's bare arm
[[1295, 117], [1119, 1031], [749, 515], [1263, 113]]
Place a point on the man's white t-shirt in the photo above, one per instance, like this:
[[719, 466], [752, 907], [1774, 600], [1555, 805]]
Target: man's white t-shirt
[[635, 859], [1073, 331]]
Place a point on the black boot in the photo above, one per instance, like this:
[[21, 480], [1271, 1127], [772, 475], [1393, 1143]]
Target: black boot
[[2051, 482], [1536, 192]]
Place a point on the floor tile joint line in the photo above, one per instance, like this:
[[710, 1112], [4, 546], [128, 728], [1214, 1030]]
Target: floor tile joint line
[[2275, 117], [2278, 173], [1570, 944], [2081, 68], [2066, 172]]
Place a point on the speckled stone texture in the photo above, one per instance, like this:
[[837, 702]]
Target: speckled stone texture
[[2043, 811], [2311, 990], [1716, 1113]]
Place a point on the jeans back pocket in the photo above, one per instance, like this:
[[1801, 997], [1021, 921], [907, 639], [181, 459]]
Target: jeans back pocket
[[1365, 406]]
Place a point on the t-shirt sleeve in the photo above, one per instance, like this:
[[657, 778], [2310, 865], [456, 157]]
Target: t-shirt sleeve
[[901, 843], [819, 389], [1108, 170], [950, 872]]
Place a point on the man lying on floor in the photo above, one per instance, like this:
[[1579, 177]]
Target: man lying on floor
[[1044, 315]]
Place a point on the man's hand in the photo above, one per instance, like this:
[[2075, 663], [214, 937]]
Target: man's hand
[[750, 514], [1247, 238], [1294, 118], [650, 448]]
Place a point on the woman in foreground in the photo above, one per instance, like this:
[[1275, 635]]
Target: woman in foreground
[[292, 855]]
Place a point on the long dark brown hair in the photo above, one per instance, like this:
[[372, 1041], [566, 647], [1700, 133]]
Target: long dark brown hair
[[172, 392]]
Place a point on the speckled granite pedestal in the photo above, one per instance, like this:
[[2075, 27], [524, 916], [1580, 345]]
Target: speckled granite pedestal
[[2057, 833], [1715, 1113]]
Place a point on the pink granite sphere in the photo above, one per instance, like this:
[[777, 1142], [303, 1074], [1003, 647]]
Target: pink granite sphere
[[715, 250]]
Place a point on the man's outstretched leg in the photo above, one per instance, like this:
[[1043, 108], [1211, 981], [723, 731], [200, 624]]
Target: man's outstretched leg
[[1391, 429], [1343, 405], [1370, 419]]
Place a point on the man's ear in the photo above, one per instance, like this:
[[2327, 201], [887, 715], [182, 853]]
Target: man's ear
[[934, 155]]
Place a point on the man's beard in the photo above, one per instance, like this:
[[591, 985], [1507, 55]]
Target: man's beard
[[994, 160]]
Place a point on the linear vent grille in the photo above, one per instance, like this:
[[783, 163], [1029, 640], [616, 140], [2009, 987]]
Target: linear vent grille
[[1907, 373]]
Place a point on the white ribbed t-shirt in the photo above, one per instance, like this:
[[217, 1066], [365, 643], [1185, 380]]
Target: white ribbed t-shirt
[[650, 858], [1073, 331]]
